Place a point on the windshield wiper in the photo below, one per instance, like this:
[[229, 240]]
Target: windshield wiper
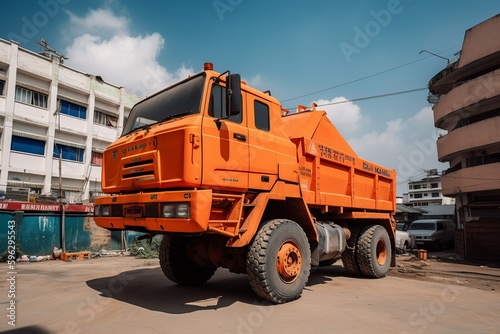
[[148, 126], [173, 116]]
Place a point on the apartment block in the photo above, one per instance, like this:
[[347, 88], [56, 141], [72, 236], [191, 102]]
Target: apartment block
[[55, 122], [467, 92]]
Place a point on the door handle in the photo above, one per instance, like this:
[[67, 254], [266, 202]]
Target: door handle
[[240, 136]]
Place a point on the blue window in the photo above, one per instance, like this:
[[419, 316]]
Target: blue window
[[68, 152], [27, 145], [73, 109]]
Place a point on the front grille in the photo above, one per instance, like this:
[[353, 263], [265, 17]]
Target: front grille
[[138, 169], [138, 174], [138, 163]]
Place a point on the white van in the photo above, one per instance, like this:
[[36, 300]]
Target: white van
[[432, 232]]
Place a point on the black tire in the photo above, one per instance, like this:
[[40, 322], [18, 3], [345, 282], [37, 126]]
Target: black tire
[[405, 247], [349, 259], [277, 240], [374, 251], [176, 265]]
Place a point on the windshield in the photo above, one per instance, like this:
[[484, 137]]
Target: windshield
[[423, 226], [183, 98]]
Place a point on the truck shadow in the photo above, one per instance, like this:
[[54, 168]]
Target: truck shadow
[[150, 289]]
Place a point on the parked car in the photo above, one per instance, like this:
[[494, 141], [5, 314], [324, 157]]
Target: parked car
[[404, 240], [432, 233]]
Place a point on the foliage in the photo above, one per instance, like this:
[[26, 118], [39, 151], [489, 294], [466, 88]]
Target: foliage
[[147, 248], [5, 255]]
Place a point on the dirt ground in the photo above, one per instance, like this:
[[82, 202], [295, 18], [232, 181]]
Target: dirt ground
[[128, 295], [446, 267]]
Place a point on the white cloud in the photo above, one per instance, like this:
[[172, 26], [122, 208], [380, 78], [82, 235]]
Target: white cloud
[[407, 145], [98, 20], [343, 113], [255, 81], [103, 46]]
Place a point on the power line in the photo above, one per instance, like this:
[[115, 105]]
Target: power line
[[362, 78], [370, 97], [392, 94], [374, 96]]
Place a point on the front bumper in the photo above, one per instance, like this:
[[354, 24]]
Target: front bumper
[[143, 211]]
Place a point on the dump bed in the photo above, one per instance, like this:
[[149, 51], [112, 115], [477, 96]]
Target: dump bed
[[331, 175]]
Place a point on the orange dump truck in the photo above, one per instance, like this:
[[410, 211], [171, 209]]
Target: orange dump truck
[[230, 179]]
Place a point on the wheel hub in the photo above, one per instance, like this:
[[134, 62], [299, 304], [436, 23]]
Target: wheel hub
[[381, 252], [289, 261]]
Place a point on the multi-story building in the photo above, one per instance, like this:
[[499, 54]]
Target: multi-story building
[[468, 108], [55, 122], [427, 191]]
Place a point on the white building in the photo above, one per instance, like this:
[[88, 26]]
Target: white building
[[55, 123], [427, 191]]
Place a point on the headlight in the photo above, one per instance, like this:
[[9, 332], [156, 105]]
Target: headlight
[[183, 210], [102, 210], [175, 210], [168, 210]]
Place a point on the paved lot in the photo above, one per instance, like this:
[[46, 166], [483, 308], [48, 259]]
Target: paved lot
[[128, 295]]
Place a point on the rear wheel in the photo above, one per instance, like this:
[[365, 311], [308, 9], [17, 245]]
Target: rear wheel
[[279, 261], [176, 265], [349, 259], [374, 251]]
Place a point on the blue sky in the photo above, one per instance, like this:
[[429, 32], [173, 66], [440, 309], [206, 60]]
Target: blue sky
[[293, 48]]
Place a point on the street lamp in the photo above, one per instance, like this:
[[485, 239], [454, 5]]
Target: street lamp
[[447, 60]]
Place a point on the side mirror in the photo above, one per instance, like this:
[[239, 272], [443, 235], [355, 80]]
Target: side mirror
[[233, 97]]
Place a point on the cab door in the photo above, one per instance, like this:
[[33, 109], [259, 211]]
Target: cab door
[[225, 145]]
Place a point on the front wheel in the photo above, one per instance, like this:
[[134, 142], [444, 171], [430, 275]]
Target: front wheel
[[279, 261], [176, 265], [374, 251]]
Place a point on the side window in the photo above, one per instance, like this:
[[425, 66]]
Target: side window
[[261, 112], [217, 106]]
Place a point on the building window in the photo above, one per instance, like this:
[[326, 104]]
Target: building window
[[434, 185], [426, 194], [418, 196], [96, 158], [483, 160], [73, 109], [435, 194], [105, 119], [2, 85], [27, 145], [30, 97], [261, 112], [416, 186], [68, 152]]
